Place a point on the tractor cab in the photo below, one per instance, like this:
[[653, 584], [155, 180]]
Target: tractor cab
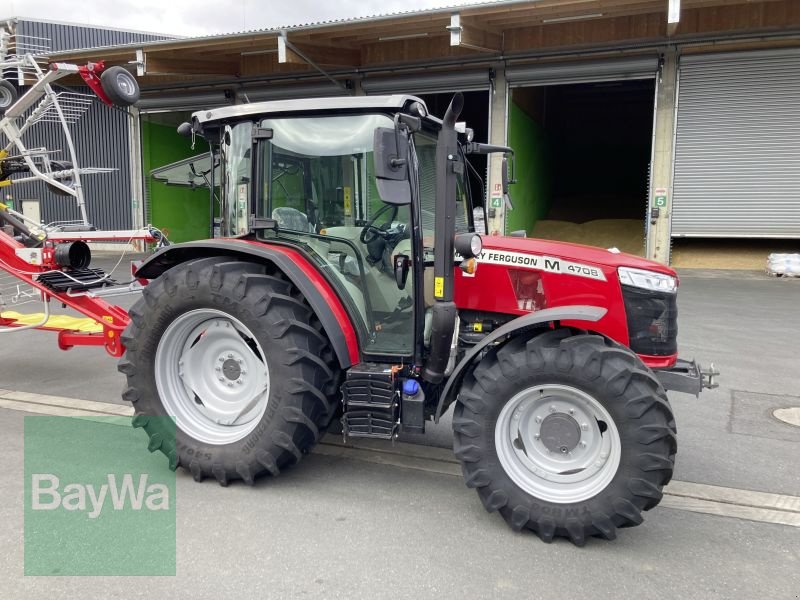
[[354, 185]]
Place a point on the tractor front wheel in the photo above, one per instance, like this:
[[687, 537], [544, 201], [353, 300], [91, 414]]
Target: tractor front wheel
[[236, 356], [566, 434]]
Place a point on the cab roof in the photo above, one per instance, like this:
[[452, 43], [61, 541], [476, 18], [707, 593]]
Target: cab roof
[[340, 103]]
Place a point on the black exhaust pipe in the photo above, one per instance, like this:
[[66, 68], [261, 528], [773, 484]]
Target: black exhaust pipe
[[444, 311]]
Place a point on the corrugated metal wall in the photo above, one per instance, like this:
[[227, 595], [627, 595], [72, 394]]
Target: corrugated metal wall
[[69, 37], [101, 138]]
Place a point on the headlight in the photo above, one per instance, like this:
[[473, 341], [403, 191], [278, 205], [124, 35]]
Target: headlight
[[648, 280], [468, 244], [476, 245]]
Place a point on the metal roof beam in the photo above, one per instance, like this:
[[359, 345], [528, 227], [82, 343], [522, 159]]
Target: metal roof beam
[[466, 35], [673, 16], [289, 53], [301, 53]]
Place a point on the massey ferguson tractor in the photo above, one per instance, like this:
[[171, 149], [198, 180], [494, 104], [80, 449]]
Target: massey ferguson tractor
[[350, 283]]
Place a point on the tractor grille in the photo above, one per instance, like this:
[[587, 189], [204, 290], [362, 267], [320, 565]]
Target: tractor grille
[[652, 321]]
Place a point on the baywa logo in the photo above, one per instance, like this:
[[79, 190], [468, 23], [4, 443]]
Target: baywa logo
[[96, 501], [86, 497]]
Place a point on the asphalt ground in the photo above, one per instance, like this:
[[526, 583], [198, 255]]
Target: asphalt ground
[[350, 525]]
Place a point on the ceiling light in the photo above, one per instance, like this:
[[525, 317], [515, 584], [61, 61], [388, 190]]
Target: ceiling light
[[573, 18], [408, 36]]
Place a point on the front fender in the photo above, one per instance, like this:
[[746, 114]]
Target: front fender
[[291, 262], [588, 314]]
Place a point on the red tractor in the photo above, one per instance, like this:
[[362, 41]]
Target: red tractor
[[350, 282]]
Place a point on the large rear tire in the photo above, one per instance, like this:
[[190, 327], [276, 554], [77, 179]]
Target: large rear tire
[[237, 357], [566, 434]]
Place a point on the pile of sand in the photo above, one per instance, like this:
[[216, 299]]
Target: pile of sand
[[727, 254], [625, 234]]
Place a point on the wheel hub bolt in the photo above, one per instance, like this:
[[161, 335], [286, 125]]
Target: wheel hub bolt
[[585, 426], [538, 419], [552, 409], [572, 411]]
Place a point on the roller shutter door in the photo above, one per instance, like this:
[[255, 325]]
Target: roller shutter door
[[737, 146], [584, 71], [427, 83], [284, 91], [152, 101]]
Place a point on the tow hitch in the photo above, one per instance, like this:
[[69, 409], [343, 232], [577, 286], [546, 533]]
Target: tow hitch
[[688, 376]]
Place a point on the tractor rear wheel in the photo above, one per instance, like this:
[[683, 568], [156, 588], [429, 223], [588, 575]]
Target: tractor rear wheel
[[565, 433], [237, 357]]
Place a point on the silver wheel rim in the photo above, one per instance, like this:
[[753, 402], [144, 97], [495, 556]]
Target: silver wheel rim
[[125, 83], [212, 376], [557, 443], [5, 98]]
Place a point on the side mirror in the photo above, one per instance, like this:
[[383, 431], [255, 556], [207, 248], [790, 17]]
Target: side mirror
[[390, 151]]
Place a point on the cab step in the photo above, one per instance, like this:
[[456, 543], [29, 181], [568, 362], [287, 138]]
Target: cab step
[[371, 399]]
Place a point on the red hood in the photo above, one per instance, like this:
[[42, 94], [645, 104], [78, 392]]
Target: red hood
[[574, 252]]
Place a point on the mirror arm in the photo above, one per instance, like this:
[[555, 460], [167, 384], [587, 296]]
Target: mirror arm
[[478, 148]]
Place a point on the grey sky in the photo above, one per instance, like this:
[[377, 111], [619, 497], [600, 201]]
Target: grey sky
[[199, 17]]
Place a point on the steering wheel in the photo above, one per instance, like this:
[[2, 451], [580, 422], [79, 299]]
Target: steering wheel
[[369, 233]]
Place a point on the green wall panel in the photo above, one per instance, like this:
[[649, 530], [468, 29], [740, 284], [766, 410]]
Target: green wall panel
[[531, 193], [181, 212]]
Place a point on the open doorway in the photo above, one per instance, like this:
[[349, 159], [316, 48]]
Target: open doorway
[[583, 157], [182, 212], [476, 116]]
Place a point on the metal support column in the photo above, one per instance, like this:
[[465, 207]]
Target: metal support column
[[136, 171], [659, 211], [498, 127]]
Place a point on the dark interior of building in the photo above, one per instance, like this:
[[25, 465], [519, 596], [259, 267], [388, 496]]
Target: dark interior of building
[[476, 115], [592, 148], [583, 156]]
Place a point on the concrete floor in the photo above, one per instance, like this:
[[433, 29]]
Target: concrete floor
[[335, 527]]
